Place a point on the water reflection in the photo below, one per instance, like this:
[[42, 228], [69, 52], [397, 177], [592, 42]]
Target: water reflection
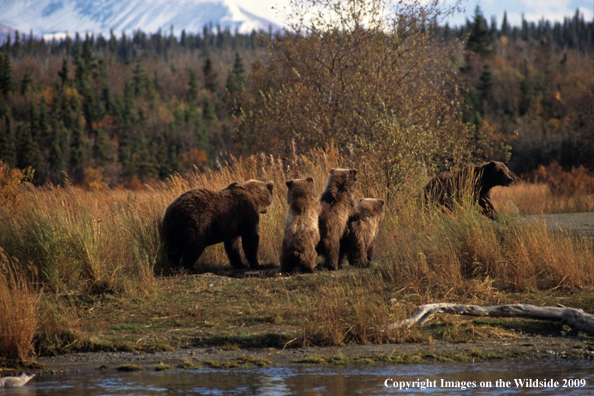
[[348, 380]]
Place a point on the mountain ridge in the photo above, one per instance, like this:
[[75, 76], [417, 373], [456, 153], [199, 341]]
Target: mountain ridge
[[56, 18]]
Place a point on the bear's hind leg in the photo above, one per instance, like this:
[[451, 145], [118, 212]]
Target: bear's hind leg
[[250, 242], [233, 252]]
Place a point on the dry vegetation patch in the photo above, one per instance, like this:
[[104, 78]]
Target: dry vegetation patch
[[95, 252]]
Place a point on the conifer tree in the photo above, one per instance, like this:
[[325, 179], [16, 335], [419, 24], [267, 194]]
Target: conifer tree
[[101, 148], [64, 72], [128, 99], [210, 76], [526, 96], [479, 38], [80, 73], [87, 55], [192, 95], [160, 153], [236, 79], [26, 82], [42, 123], [505, 28], [109, 103], [78, 150], [486, 79], [139, 78], [27, 152], [208, 109], [7, 82], [6, 140], [58, 148], [156, 86]]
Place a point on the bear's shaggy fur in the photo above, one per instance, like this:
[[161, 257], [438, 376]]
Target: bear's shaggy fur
[[199, 218], [337, 203], [358, 242], [301, 228], [475, 180]]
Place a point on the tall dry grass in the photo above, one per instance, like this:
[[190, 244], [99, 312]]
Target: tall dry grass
[[441, 254], [91, 241], [107, 241], [538, 199], [18, 313]]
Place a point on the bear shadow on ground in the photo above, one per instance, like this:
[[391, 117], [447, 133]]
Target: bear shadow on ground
[[268, 270], [265, 270]]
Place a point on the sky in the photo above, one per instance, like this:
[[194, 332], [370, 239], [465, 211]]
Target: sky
[[533, 10]]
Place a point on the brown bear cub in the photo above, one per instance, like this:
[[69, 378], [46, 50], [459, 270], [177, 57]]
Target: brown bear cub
[[337, 204], [301, 230], [358, 242], [199, 218], [477, 180]]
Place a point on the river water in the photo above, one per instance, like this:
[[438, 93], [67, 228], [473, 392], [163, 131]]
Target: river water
[[553, 377]]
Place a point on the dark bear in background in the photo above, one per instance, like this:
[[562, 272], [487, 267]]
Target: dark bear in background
[[337, 203], [476, 180], [358, 242], [302, 234], [199, 218]]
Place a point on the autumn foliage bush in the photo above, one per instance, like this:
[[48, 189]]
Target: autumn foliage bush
[[577, 181], [378, 84]]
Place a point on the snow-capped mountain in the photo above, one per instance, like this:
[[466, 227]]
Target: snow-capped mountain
[[57, 17]]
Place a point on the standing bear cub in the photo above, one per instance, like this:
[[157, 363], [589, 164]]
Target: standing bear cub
[[199, 218], [337, 203], [301, 229], [358, 242], [478, 181]]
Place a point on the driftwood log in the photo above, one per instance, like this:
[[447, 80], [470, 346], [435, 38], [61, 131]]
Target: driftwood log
[[573, 317]]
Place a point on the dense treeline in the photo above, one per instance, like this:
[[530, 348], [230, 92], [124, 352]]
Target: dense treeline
[[572, 33], [534, 85], [119, 111], [129, 109]]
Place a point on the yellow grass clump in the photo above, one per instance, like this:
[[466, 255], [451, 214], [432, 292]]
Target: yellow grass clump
[[18, 313]]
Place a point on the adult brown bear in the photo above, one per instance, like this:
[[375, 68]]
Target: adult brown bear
[[358, 242], [302, 233], [478, 181], [199, 218], [337, 203]]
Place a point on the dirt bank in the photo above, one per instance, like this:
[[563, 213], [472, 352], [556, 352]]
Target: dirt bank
[[527, 347]]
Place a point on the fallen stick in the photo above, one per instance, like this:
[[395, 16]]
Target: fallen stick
[[573, 317]]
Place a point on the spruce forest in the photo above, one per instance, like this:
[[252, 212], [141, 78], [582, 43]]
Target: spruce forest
[[130, 110]]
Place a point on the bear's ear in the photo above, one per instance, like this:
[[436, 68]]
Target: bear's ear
[[310, 179], [270, 186], [290, 183], [381, 201], [232, 185], [332, 171], [491, 164], [353, 172], [361, 200]]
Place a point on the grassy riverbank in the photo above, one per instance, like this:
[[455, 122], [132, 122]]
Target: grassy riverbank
[[78, 270]]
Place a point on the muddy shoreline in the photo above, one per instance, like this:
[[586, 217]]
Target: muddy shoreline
[[525, 347]]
